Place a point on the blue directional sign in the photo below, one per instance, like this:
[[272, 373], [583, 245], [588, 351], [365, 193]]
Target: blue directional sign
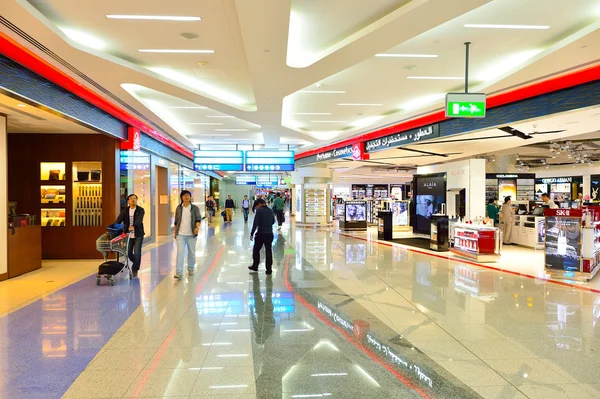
[[245, 180], [269, 161], [226, 161]]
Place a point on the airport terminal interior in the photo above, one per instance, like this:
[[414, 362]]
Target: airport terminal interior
[[300, 199]]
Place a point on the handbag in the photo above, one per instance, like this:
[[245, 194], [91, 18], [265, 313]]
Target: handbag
[[223, 213], [83, 176], [54, 175], [96, 174]]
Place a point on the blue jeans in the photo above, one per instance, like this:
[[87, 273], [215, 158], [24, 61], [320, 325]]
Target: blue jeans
[[182, 243], [246, 211]]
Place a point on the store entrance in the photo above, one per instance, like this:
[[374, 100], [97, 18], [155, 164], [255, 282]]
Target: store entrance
[[163, 214]]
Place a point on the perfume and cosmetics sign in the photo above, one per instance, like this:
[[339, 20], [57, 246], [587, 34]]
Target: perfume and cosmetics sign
[[404, 138]]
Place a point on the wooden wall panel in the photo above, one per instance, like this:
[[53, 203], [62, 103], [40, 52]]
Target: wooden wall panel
[[27, 151]]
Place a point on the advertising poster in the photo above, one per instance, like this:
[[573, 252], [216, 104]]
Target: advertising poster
[[396, 191], [507, 187], [563, 243], [356, 211], [430, 194], [399, 213], [339, 211], [540, 188]]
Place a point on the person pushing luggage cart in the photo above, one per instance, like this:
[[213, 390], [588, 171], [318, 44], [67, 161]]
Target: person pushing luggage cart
[[132, 219]]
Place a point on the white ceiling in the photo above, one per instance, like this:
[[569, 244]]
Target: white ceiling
[[267, 51], [25, 118]]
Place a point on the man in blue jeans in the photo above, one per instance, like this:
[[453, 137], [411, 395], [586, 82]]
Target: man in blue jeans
[[187, 224], [246, 208]]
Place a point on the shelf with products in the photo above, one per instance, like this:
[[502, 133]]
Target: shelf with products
[[477, 242], [52, 172], [53, 194], [53, 217], [87, 194]]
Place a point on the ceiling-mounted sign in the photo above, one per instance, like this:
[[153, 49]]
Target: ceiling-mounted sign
[[342, 152], [269, 161], [358, 152], [227, 161], [404, 138], [465, 105], [245, 180]]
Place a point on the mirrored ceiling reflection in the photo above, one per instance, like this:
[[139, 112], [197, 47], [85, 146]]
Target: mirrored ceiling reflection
[[310, 339]]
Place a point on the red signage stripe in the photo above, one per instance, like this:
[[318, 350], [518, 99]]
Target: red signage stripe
[[574, 78]]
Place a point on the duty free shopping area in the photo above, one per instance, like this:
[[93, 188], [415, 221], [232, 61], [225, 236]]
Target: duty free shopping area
[[292, 199]]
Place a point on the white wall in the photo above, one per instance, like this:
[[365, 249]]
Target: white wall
[[3, 197], [237, 192], [468, 174]]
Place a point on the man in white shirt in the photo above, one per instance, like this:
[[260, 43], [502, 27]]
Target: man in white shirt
[[246, 208], [187, 225], [548, 202]]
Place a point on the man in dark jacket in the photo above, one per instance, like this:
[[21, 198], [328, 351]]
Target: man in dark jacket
[[263, 226], [132, 219], [229, 207], [187, 225]]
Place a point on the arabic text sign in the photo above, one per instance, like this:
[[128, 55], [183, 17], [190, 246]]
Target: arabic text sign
[[465, 105], [403, 138]]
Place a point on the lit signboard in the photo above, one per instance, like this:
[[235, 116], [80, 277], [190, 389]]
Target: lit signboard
[[269, 161], [267, 179], [245, 179], [227, 161], [134, 160]]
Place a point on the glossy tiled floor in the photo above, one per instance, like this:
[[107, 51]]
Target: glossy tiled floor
[[341, 317]]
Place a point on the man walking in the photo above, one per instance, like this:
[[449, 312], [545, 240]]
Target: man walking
[[210, 209], [263, 226], [278, 206], [246, 208], [132, 219], [187, 224], [255, 204], [229, 207]]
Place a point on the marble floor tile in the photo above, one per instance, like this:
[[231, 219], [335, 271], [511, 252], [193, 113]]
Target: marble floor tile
[[500, 392], [155, 382], [526, 371], [101, 384], [474, 373], [566, 391], [227, 381]]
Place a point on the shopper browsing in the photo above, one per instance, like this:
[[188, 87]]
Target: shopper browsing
[[548, 202], [278, 206], [263, 226], [187, 225], [492, 210], [132, 219], [229, 207], [246, 208], [508, 217]]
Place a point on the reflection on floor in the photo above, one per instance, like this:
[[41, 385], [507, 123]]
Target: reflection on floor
[[341, 317]]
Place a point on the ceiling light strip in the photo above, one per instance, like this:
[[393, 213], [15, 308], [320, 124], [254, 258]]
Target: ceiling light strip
[[407, 55], [176, 51], [153, 17], [500, 26]]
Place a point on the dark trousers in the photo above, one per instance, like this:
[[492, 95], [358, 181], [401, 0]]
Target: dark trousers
[[135, 252], [259, 241], [246, 211], [279, 216]]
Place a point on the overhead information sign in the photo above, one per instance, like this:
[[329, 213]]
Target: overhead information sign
[[227, 161], [245, 179], [269, 161], [465, 105]]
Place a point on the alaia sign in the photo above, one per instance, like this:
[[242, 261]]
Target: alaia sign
[[404, 138]]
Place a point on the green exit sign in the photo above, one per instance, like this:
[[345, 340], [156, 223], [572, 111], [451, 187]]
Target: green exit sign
[[465, 105]]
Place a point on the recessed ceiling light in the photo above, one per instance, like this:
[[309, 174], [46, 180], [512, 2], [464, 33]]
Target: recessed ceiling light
[[194, 107], [327, 121], [205, 123], [176, 51], [189, 36], [359, 105], [220, 116], [154, 17], [323, 91], [407, 55], [21, 105], [495, 26], [312, 113], [214, 135], [84, 38], [436, 77], [231, 130]]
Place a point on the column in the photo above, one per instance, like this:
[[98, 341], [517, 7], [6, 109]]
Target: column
[[3, 199]]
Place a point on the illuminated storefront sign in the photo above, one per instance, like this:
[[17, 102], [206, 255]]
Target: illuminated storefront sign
[[269, 161], [227, 161], [403, 138]]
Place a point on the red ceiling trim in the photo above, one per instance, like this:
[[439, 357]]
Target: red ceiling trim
[[28, 59], [533, 90]]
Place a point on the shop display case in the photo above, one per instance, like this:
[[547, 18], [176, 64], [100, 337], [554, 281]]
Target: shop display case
[[53, 217], [475, 281], [87, 194], [529, 231], [315, 203], [53, 194], [52, 171], [477, 242], [355, 215], [438, 240]]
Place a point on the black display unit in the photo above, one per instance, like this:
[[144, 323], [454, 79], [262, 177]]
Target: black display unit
[[355, 215], [439, 238], [429, 193], [384, 225]]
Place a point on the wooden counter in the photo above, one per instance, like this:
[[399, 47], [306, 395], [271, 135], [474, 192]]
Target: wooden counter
[[24, 250]]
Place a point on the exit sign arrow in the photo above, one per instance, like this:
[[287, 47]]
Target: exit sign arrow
[[465, 105]]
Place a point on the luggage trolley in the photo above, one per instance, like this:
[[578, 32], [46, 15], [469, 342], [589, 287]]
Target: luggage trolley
[[114, 240]]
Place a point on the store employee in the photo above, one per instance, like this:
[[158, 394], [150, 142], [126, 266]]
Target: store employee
[[548, 202]]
